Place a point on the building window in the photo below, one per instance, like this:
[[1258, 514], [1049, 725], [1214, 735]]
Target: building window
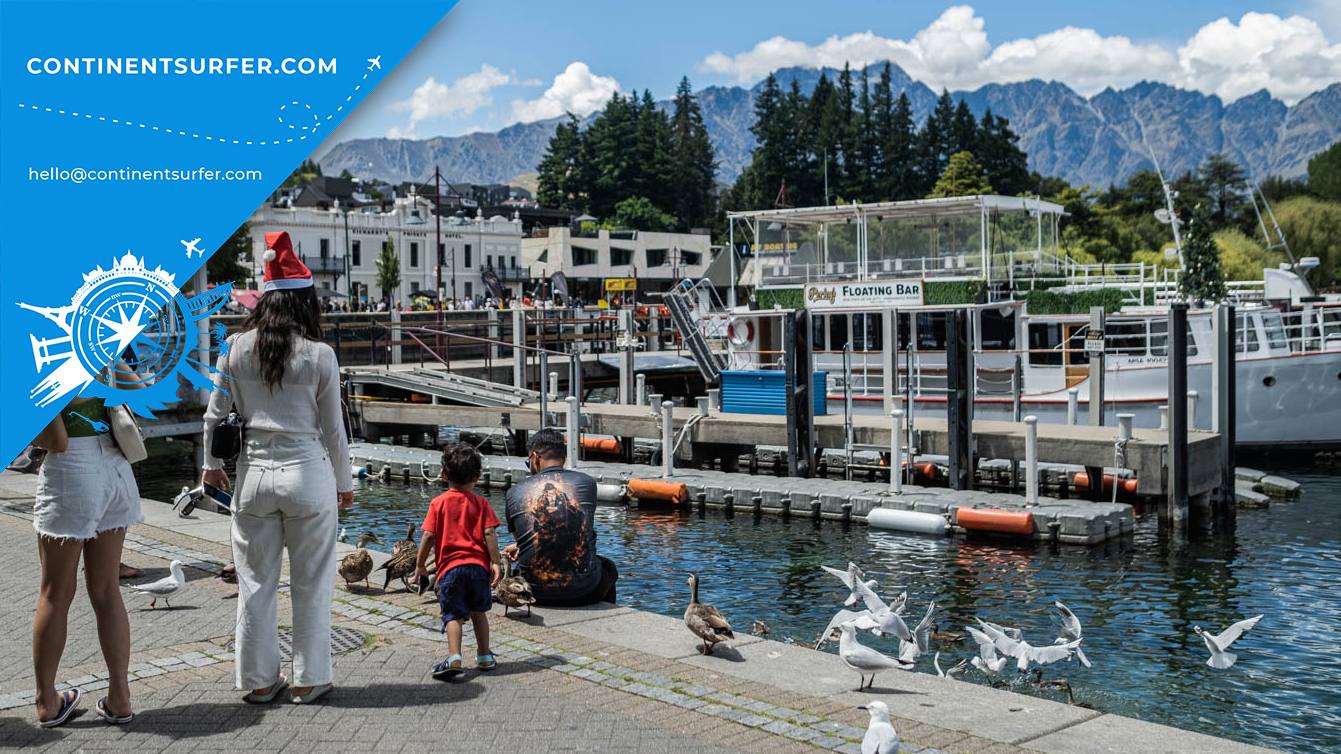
[[470, 288], [325, 247], [356, 253], [690, 257], [583, 256], [512, 262], [442, 254], [621, 257], [467, 260], [656, 257], [414, 286], [489, 261], [414, 254]]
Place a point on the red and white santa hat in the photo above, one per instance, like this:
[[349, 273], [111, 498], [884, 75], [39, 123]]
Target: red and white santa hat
[[284, 271]]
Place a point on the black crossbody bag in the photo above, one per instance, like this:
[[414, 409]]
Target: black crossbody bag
[[226, 442]]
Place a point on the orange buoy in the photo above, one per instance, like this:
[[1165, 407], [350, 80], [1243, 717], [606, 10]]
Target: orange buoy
[[925, 470], [1126, 485], [420, 398], [607, 445], [995, 520], [656, 489]]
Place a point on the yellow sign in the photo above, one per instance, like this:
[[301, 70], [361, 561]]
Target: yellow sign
[[621, 284]]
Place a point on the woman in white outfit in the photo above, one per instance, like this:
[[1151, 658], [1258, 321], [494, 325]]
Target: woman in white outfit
[[293, 473]]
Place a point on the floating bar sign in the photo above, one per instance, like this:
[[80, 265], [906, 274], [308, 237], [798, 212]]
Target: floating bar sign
[[850, 295]]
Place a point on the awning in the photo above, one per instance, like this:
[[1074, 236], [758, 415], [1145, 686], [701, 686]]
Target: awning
[[247, 298]]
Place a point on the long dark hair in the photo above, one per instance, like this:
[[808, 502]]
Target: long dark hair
[[278, 316]]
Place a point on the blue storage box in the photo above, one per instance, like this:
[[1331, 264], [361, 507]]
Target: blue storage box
[[764, 392]]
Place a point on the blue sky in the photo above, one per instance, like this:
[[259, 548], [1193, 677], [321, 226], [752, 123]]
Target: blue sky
[[490, 64]]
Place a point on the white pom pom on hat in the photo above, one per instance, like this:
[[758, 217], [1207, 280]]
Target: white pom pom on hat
[[269, 255]]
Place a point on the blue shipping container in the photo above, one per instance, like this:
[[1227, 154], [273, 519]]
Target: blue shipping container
[[764, 392]]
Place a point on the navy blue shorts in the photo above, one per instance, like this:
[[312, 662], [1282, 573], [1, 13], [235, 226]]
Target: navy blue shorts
[[464, 590]]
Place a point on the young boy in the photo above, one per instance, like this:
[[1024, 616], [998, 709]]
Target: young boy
[[461, 526]]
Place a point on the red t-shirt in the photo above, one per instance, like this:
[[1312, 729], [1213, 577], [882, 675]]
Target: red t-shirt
[[458, 521]]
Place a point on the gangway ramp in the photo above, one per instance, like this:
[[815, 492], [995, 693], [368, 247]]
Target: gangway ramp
[[450, 388]]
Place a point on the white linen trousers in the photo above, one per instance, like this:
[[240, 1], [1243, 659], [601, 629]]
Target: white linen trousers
[[286, 499]]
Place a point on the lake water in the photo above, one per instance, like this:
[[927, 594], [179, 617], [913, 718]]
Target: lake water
[[1138, 598]]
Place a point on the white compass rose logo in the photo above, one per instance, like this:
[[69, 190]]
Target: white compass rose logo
[[126, 310]]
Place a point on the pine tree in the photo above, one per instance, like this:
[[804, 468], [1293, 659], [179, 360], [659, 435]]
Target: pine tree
[[963, 131], [766, 166], [996, 147], [1203, 279], [694, 163], [881, 125], [849, 179], [388, 270], [863, 141], [963, 176], [826, 117], [1224, 182], [559, 173], [799, 167], [934, 142], [900, 153]]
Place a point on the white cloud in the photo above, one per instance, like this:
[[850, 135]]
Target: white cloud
[[576, 90], [433, 100], [1288, 56]]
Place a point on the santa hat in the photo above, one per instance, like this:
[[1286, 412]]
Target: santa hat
[[284, 271]]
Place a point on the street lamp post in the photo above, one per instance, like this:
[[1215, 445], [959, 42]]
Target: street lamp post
[[437, 252]]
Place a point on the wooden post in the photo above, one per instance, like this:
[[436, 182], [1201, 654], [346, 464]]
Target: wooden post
[[1176, 509]]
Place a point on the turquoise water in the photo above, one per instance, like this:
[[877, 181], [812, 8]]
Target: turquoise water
[[1137, 598]]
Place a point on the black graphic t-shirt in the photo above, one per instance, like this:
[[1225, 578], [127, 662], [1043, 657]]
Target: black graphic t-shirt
[[552, 517]]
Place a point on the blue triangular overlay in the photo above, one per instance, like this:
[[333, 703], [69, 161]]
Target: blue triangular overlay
[[125, 126]]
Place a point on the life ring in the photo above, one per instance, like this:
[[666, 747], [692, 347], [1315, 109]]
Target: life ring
[[740, 332]]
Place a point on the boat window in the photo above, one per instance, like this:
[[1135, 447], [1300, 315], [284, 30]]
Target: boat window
[[1275, 331], [931, 331], [867, 332], [1159, 339], [817, 332], [903, 328], [998, 330], [1045, 340], [1247, 335], [837, 332], [1125, 338]]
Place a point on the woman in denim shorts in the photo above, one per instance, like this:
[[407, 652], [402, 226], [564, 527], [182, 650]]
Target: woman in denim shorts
[[86, 498]]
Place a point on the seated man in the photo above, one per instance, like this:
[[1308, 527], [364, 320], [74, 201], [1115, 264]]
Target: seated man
[[552, 517]]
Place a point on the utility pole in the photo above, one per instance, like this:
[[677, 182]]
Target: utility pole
[[437, 253]]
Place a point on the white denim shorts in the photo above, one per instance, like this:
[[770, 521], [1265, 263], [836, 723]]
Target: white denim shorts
[[85, 491]]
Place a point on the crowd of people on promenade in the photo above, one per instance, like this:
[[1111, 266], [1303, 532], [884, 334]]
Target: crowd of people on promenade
[[291, 479]]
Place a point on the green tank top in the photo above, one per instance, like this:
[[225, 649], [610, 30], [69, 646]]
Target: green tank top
[[80, 419]]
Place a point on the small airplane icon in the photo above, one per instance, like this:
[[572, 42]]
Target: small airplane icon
[[376, 62], [191, 246]]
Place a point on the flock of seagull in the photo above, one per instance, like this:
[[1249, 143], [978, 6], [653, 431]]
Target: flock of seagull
[[997, 646]]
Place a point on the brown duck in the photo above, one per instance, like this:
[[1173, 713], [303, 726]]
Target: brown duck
[[356, 566], [513, 590], [705, 621], [404, 555]]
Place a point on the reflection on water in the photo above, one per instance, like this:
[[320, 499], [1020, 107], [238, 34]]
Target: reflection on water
[[1138, 598]]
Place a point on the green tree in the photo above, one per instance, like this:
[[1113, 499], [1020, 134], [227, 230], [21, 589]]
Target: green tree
[[963, 136], [1242, 258], [693, 163], [997, 148], [638, 213], [345, 174], [1310, 227], [1324, 173], [559, 170], [899, 153], [763, 176], [963, 176], [304, 173], [1203, 279], [225, 264], [1223, 181], [934, 143], [388, 270]]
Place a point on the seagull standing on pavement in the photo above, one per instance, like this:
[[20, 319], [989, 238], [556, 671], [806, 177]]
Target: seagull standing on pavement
[[165, 588], [880, 738], [862, 658], [1220, 659]]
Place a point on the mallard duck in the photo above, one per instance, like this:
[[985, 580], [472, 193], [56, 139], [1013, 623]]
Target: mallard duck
[[513, 590], [228, 574], [760, 628], [356, 566], [704, 620], [404, 556], [1070, 696]]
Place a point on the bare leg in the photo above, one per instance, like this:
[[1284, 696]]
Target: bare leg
[[480, 622], [101, 574], [453, 637], [60, 569]]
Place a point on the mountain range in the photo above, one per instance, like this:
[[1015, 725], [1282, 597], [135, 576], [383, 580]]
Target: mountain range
[[1086, 140]]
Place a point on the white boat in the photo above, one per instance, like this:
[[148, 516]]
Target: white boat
[[873, 279]]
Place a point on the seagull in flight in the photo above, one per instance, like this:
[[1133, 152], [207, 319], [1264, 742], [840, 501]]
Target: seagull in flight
[[1220, 659], [1022, 650], [191, 247], [375, 62], [987, 660], [853, 575], [1070, 632]]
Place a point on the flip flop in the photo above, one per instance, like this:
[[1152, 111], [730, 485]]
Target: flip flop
[[316, 693], [448, 668], [254, 698], [101, 709], [486, 662], [69, 698]]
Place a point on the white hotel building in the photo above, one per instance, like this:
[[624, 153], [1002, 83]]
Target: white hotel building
[[336, 241]]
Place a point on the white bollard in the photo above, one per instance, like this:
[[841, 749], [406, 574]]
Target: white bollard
[[1072, 405], [715, 399], [554, 384], [654, 400], [1163, 417], [1191, 409], [574, 427], [667, 439], [1124, 426], [640, 388], [702, 402], [1031, 459], [896, 452]]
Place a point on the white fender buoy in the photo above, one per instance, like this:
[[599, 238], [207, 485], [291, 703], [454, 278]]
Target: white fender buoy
[[358, 472], [911, 521], [610, 493]]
